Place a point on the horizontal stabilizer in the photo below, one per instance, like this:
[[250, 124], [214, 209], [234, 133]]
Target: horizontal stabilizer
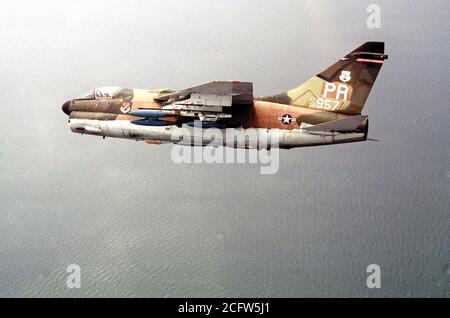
[[341, 125]]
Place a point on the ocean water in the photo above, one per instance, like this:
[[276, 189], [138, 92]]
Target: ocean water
[[140, 225]]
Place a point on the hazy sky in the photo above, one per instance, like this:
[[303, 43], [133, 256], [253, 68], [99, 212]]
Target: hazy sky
[[139, 225]]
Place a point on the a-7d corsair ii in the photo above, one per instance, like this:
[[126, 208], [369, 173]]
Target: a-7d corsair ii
[[326, 109]]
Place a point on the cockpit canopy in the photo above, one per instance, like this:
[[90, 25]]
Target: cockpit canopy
[[108, 93]]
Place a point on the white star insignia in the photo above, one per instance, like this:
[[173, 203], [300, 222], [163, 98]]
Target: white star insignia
[[286, 119]]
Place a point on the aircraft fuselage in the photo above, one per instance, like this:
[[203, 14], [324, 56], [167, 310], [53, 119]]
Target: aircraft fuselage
[[258, 122]]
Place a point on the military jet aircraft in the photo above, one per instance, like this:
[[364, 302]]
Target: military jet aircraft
[[326, 109]]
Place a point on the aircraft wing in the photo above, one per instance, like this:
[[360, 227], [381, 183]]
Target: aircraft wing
[[208, 102], [240, 92]]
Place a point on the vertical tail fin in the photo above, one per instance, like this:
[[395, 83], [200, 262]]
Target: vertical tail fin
[[344, 86]]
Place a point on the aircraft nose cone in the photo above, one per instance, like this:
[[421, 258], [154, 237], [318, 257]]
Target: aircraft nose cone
[[65, 107]]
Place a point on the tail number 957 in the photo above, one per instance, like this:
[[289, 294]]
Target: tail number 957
[[325, 103]]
